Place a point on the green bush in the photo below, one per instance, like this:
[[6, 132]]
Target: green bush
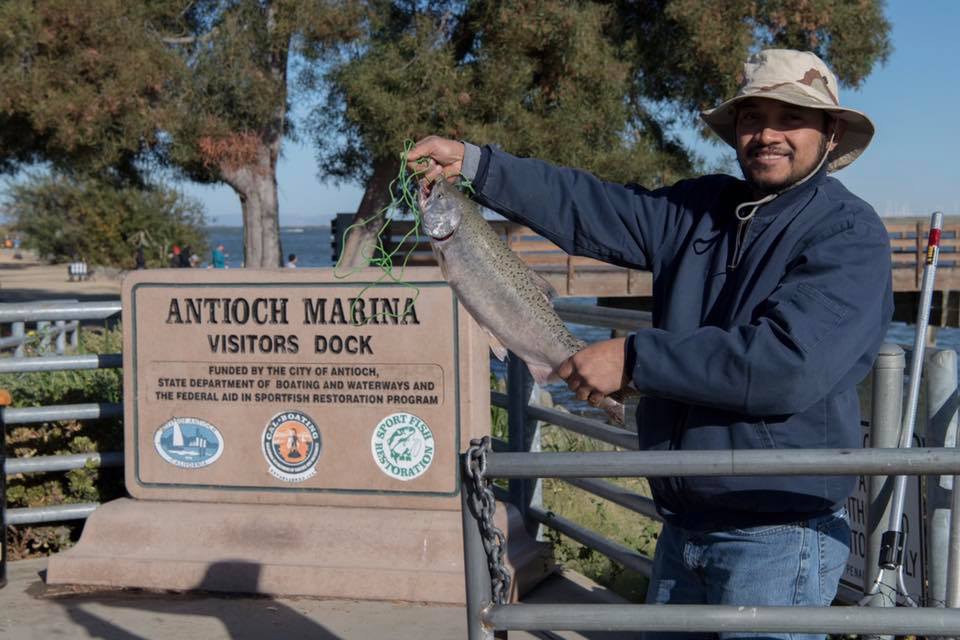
[[89, 484], [64, 218]]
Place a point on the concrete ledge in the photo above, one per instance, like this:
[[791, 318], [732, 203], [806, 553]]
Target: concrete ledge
[[372, 554]]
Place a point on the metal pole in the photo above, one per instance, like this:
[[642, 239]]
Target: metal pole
[[3, 502], [18, 330], [692, 618], [891, 550], [61, 326], [941, 387], [43, 331], [476, 572], [886, 408], [953, 549], [519, 389]]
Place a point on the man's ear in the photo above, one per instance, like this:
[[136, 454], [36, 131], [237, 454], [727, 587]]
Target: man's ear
[[837, 128]]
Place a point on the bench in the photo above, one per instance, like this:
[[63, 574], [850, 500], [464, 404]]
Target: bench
[[78, 271]]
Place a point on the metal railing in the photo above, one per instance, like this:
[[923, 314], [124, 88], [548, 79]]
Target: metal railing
[[516, 461], [66, 315]]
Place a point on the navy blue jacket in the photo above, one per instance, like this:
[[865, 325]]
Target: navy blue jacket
[[765, 354]]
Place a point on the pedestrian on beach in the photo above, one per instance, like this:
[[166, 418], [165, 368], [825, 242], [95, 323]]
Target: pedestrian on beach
[[219, 259], [291, 261], [772, 296]]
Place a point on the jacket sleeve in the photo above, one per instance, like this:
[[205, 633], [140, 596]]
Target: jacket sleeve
[[828, 315], [583, 215]]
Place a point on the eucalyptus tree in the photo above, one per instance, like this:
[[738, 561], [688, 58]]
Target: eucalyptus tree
[[591, 84]]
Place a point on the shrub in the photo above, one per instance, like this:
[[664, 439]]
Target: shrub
[[88, 484], [65, 218]]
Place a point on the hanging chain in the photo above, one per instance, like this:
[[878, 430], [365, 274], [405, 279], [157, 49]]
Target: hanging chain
[[482, 505]]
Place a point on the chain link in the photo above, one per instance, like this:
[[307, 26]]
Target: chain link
[[482, 505]]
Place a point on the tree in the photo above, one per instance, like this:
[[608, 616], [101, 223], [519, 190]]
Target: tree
[[199, 87], [591, 84], [68, 218]]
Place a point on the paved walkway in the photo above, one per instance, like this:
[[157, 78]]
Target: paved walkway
[[29, 610]]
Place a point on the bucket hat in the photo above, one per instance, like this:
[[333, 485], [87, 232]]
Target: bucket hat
[[799, 78]]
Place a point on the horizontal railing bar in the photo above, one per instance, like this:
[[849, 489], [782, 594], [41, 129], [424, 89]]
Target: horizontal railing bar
[[30, 312], [629, 558], [46, 464], [767, 462], [584, 426], [617, 495], [589, 427], [37, 515], [607, 317], [15, 341], [54, 413], [61, 363], [719, 618]]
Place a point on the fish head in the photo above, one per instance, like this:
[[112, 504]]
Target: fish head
[[442, 210]]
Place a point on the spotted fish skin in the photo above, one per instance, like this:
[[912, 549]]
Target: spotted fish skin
[[497, 288]]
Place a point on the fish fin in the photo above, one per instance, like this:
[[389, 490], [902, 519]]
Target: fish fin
[[542, 374], [545, 287], [440, 261], [496, 346]]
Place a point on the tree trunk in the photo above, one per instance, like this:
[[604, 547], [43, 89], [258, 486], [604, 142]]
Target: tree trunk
[[359, 242], [256, 185]]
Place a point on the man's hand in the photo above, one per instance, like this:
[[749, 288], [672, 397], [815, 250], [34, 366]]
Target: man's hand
[[596, 370], [436, 157]]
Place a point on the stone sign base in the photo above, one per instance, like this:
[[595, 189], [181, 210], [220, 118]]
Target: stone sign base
[[337, 552]]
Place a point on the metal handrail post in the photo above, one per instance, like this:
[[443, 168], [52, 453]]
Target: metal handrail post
[[18, 330], [3, 502], [940, 375], [43, 332], [886, 403], [523, 436], [61, 336], [476, 572]]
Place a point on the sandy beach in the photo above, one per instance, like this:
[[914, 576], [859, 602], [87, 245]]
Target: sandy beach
[[28, 279]]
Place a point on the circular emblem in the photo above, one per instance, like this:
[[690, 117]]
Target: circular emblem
[[402, 446], [189, 443], [291, 445]]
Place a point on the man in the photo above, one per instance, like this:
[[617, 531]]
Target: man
[[218, 258], [291, 261], [772, 296]]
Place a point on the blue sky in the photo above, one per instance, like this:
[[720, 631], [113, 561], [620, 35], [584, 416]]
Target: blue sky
[[909, 168]]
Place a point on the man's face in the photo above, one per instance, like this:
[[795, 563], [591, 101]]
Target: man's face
[[779, 144]]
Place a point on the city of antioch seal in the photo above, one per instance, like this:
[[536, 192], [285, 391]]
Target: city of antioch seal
[[291, 444], [402, 446]]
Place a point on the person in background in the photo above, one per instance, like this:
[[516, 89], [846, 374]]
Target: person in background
[[291, 261], [219, 258], [772, 296], [174, 257], [185, 254], [140, 261]]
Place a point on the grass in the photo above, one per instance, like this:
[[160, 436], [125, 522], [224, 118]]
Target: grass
[[605, 518]]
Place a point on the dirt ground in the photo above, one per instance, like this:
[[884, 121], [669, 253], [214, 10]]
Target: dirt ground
[[26, 278]]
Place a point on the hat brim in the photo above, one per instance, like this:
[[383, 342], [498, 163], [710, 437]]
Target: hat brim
[[857, 135]]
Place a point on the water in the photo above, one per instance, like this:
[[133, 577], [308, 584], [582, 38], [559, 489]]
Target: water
[[313, 249], [311, 244]]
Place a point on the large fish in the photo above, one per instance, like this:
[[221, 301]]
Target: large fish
[[505, 296]]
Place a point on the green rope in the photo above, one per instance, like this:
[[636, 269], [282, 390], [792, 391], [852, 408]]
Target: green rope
[[403, 195]]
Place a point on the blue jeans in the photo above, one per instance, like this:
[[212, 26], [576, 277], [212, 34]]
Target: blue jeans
[[796, 564]]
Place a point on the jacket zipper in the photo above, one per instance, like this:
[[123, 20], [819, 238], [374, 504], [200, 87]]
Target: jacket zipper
[[675, 483], [738, 246]]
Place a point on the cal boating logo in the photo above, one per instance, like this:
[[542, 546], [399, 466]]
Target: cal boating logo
[[291, 445], [190, 443], [402, 446]]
